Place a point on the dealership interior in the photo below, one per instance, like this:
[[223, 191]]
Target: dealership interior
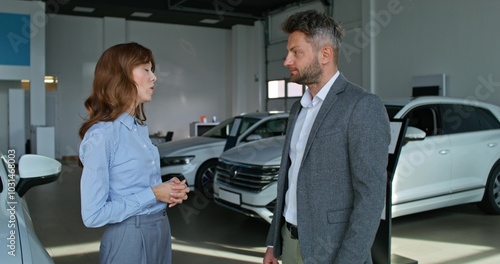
[[220, 58]]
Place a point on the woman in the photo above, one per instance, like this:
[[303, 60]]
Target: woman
[[121, 183]]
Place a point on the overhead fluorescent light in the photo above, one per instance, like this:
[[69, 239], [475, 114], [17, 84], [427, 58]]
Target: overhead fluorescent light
[[209, 21], [83, 9], [141, 14]]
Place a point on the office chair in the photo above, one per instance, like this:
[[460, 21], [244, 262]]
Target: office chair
[[169, 136]]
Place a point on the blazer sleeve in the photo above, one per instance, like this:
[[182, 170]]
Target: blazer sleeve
[[368, 141]]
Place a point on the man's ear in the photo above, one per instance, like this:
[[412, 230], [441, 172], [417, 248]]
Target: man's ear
[[326, 54]]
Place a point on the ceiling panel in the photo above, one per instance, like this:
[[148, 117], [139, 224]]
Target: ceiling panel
[[219, 13]]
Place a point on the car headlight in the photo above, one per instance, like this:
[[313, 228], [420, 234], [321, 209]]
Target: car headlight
[[174, 161]]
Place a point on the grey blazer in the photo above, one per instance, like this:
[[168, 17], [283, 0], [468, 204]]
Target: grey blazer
[[342, 178]]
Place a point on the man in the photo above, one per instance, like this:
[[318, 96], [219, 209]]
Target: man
[[331, 186]]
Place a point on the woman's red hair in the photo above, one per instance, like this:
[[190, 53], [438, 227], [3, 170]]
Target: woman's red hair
[[114, 90]]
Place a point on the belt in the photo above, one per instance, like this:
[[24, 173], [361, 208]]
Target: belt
[[145, 219], [294, 232]]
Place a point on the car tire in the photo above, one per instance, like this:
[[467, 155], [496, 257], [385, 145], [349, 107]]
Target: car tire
[[491, 199], [205, 178]]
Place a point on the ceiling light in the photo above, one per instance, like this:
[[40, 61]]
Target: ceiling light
[[209, 21], [50, 79], [83, 9], [141, 14]]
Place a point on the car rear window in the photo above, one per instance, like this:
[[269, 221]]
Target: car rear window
[[464, 118]]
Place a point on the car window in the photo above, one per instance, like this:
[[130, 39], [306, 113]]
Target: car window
[[392, 110], [487, 119], [425, 118], [222, 130], [464, 118], [271, 128]]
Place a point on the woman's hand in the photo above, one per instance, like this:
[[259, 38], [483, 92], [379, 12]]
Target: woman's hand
[[172, 192]]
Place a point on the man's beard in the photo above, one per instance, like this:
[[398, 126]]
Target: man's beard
[[312, 74]]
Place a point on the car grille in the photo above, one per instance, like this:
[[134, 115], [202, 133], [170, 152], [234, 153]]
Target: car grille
[[247, 177]]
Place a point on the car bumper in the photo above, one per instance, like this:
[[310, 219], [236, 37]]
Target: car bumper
[[255, 204], [188, 170]]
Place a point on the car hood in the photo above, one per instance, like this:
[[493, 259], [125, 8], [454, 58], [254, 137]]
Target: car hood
[[264, 152], [188, 145]]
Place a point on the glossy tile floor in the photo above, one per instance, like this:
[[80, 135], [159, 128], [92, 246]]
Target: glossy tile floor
[[205, 233]]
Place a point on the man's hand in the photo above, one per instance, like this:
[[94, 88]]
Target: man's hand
[[269, 257], [172, 192]]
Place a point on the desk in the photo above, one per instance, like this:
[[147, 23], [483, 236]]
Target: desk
[[157, 139]]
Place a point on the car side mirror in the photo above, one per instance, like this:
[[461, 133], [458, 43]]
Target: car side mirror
[[36, 170], [413, 133], [253, 137]]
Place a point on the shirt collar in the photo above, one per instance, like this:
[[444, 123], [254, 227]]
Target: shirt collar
[[307, 101], [126, 120]]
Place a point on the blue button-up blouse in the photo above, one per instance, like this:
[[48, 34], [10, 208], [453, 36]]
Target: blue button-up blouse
[[120, 167]]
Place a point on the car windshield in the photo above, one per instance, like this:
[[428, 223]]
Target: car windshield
[[222, 130], [392, 110]]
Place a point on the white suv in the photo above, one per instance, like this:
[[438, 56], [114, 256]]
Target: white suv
[[196, 158], [455, 160]]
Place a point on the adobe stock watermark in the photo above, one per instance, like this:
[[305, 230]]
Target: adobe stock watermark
[[199, 202], [31, 27], [379, 20], [11, 203]]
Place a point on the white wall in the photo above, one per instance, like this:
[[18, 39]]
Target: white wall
[[191, 74], [459, 38], [193, 66]]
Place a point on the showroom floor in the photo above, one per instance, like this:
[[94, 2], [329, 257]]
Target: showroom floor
[[205, 233]]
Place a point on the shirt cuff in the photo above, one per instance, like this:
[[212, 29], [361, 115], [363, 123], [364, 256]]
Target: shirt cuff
[[146, 197]]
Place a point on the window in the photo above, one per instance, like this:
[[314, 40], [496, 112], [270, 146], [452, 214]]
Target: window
[[281, 94], [223, 129], [276, 89], [464, 118], [487, 119], [271, 128], [424, 118]]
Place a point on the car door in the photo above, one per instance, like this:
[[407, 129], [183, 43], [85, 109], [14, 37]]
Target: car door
[[474, 133], [422, 177]]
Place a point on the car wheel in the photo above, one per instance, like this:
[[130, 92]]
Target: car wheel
[[491, 199], [205, 178]]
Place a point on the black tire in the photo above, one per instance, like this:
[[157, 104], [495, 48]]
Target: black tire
[[205, 178], [491, 199]]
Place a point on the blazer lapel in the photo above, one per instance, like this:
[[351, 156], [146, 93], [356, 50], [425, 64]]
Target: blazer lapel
[[337, 87]]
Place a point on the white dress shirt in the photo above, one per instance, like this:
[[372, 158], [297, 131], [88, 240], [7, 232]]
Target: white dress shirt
[[300, 134]]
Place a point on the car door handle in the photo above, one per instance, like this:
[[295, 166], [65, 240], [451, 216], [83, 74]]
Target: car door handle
[[491, 145], [444, 151]]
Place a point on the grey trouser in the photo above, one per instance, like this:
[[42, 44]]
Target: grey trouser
[[141, 239]]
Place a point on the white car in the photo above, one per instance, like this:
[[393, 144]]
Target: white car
[[451, 156], [196, 158], [19, 242]]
